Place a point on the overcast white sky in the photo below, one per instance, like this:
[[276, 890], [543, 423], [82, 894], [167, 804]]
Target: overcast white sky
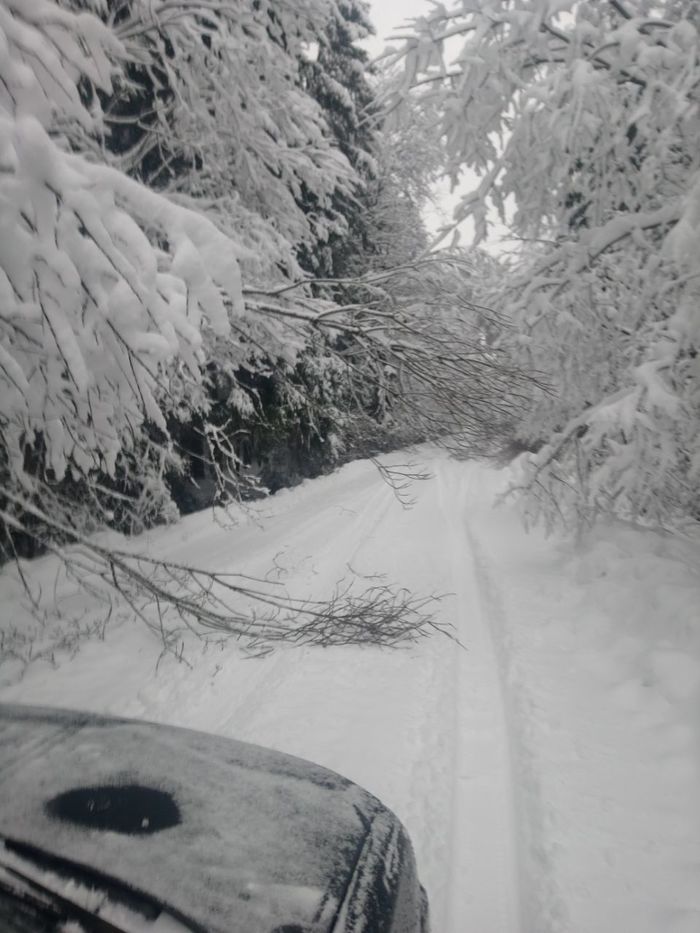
[[388, 17], [389, 14]]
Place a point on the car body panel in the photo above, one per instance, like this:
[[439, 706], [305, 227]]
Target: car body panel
[[258, 841]]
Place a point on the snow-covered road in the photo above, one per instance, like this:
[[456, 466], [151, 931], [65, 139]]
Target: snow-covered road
[[547, 770]]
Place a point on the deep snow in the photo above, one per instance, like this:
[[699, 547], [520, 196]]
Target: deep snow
[[548, 773]]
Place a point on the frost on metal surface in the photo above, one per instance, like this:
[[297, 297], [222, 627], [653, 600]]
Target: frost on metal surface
[[273, 838]]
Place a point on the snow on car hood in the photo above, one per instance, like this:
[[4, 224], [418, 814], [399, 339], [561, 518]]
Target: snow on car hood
[[263, 839]]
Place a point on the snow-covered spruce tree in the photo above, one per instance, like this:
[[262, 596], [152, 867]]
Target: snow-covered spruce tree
[[103, 282], [110, 292], [304, 412], [211, 103], [582, 122], [360, 216], [173, 125], [336, 73]]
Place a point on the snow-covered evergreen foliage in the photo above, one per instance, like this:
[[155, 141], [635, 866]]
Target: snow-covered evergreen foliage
[[337, 76], [126, 235], [214, 106], [582, 122], [103, 282]]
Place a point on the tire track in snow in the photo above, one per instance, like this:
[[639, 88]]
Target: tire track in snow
[[484, 884], [429, 812], [541, 907]]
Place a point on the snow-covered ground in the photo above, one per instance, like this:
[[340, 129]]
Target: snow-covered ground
[[548, 772]]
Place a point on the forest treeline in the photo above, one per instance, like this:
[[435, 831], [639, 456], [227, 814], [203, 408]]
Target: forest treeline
[[215, 276]]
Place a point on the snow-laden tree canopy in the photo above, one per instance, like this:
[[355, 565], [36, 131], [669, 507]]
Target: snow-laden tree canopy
[[214, 106], [116, 285], [102, 281], [160, 164], [581, 121]]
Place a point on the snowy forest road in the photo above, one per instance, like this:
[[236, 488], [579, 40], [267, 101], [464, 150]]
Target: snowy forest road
[[423, 728], [546, 769]]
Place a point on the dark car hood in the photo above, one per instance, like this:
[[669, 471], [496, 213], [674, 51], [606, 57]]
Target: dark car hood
[[264, 839]]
